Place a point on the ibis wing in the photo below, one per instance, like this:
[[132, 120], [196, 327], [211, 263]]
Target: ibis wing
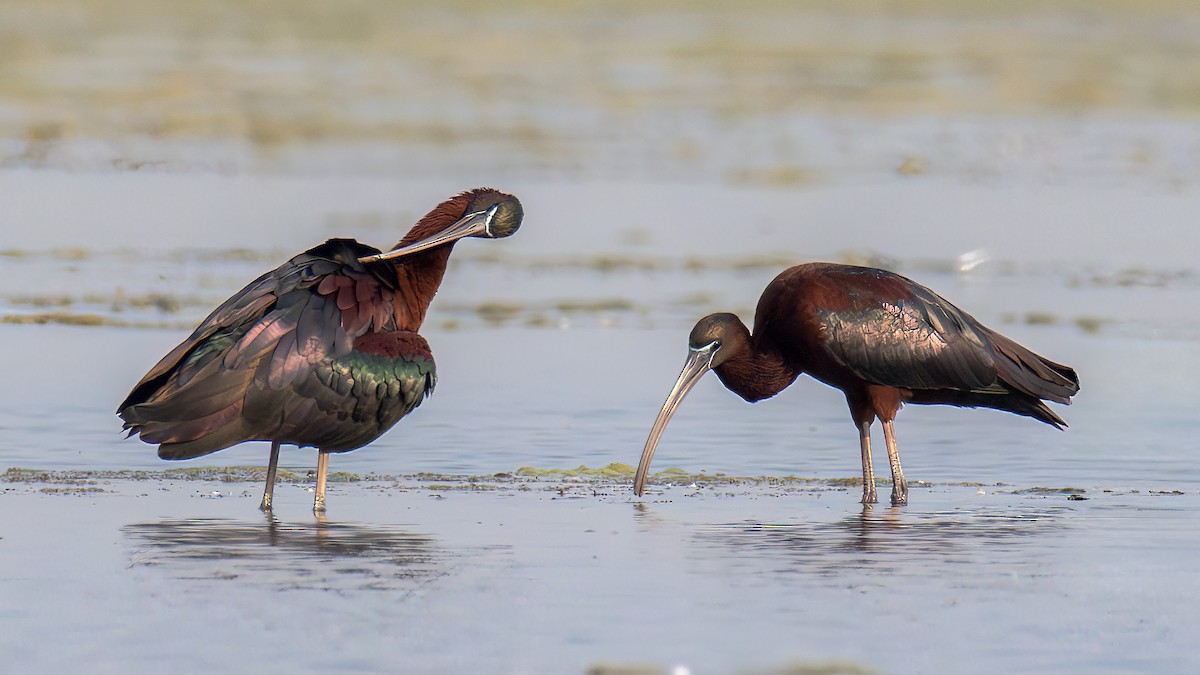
[[911, 339], [247, 306], [310, 308]]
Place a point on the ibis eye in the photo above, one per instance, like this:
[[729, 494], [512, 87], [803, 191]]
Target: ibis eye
[[709, 350]]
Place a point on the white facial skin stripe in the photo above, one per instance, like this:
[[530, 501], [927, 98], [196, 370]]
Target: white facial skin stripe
[[491, 215]]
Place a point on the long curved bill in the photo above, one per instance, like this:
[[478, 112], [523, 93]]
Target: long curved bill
[[474, 224], [698, 363]]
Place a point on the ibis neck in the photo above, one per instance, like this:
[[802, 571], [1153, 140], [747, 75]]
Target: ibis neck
[[757, 372], [418, 277]]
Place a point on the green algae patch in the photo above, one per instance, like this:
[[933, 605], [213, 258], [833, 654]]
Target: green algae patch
[[913, 165], [231, 474], [614, 470], [74, 319], [1092, 325], [603, 305], [76, 490], [775, 176], [470, 486], [532, 472], [34, 476], [498, 312], [680, 478], [676, 477], [840, 482], [1041, 319], [1050, 491], [65, 318]]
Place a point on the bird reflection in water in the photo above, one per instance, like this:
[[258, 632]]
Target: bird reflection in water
[[321, 555], [889, 542]]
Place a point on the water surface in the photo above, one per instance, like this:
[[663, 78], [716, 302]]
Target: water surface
[[551, 575]]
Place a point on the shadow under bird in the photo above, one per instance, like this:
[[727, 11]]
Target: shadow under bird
[[883, 340], [321, 352]]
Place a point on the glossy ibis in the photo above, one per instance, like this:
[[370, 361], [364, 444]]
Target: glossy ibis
[[322, 351], [883, 340]]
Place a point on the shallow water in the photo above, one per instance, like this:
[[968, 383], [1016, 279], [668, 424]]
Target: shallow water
[[519, 575], [558, 353], [1024, 548]]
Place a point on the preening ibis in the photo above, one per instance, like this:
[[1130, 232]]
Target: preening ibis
[[322, 351], [883, 340]]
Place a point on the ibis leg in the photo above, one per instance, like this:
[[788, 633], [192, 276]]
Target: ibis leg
[[322, 471], [864, 442], [269, 491], [899, 485]]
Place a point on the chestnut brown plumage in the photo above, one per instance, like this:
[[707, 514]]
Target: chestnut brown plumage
[[323, 351], [880, 338]]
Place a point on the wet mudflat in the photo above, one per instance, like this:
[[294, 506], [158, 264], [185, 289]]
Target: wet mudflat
[[561, 574]]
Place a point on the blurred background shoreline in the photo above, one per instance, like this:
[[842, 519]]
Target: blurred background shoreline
[[776, 94]]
